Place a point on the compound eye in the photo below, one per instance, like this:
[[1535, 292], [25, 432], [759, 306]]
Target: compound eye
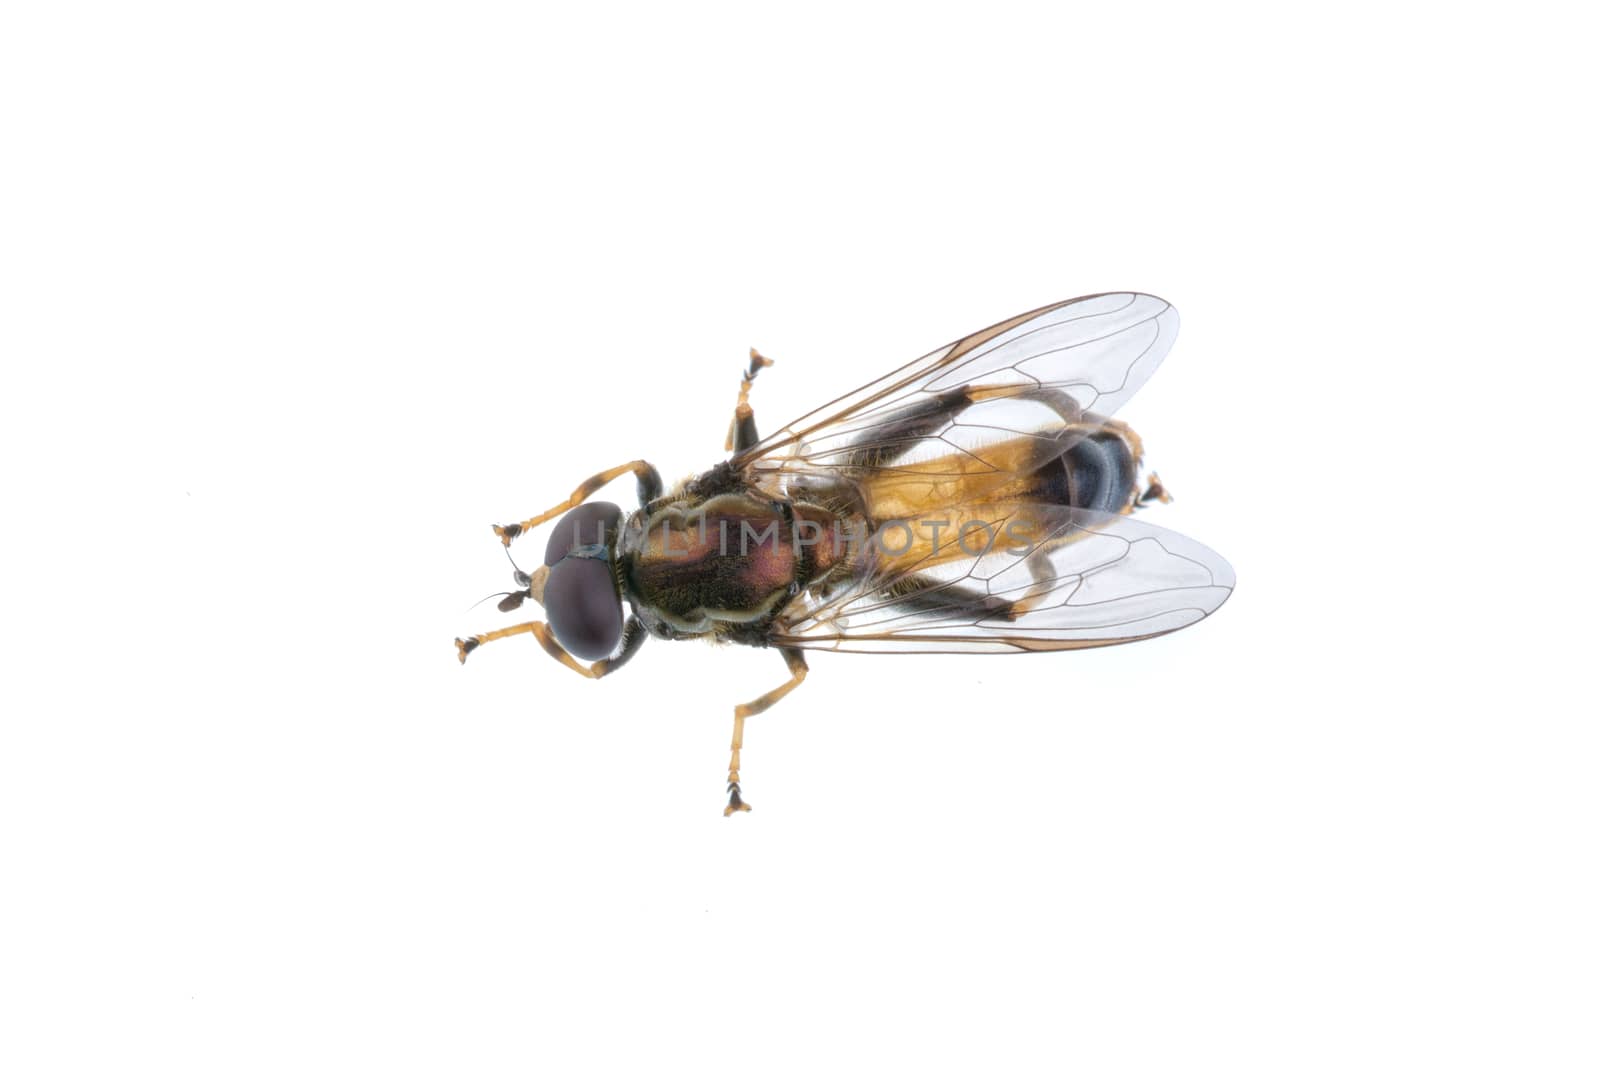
[[586, 524], [584, 607]]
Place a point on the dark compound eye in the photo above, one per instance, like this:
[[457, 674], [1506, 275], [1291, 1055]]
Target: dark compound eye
[[580, 596], [584, 608], [586, 524]]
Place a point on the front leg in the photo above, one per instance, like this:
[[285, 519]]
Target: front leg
[[633, 636], [649, 489], [796, 661], [1153, 491]]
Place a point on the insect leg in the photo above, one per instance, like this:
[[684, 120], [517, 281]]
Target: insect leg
[[920, 420], [796, 661], [633, 636], [929, 599], [1043, 573], [649, 489], [742, 430], [927, 418]]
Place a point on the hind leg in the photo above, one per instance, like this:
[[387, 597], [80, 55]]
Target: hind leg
[[1043, 573], [928, 599], [926, 418]]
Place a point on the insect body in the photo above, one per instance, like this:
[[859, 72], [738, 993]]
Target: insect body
[[975, 500]]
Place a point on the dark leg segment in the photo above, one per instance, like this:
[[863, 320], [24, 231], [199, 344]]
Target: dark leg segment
[[650, 486], [926, 418], [926, 599], [742, 431], [649, 480]]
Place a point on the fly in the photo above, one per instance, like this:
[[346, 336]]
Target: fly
[[975, 500]]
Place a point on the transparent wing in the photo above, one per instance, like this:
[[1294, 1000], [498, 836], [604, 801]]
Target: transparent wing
[[1025, 578], [1042, 378]]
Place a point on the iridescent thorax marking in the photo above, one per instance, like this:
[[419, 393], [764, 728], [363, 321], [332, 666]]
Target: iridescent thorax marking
[[733, 558]]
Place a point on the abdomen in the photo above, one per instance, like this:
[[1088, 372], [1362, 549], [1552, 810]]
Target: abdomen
[[1099, 473]]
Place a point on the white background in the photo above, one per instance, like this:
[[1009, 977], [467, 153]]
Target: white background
[[299, 298]]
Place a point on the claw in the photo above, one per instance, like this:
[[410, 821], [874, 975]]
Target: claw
[[735, 802], [463, 647], [507, 534]]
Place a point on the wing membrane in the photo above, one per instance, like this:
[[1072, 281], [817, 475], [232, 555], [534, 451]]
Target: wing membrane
[[1030, 577], [1044, 378]]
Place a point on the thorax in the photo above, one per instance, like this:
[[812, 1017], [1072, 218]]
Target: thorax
[[692, 567]]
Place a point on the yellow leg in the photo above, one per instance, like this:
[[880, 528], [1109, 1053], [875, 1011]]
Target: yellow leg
[[797, 674], [638, 467], [631, 636], [743, 415], [463, 647], [1043, 573]]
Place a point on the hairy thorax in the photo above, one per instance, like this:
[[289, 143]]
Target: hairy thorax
[[698, 567]]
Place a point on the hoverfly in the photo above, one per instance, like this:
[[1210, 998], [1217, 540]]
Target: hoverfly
[[974, 500]]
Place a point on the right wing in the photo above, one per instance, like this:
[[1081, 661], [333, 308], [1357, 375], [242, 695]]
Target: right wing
[[1027, 578]]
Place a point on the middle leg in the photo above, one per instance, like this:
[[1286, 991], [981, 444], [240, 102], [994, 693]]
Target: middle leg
[[742, 430], [796, 661]]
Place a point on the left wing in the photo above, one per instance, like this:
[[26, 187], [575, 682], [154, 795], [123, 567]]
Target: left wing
[[1041, 380]]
